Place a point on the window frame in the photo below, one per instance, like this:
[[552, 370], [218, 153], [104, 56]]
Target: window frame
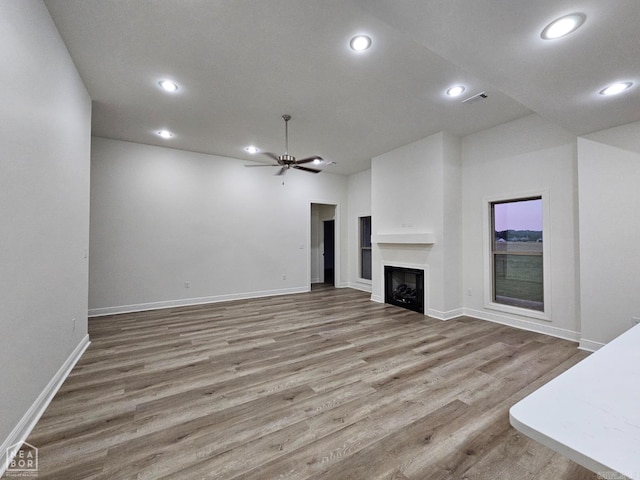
[[488, 255], [362, 246]]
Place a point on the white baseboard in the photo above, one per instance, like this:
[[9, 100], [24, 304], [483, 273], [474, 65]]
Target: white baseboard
[[589, 345], [448, 315], [523, 324], [512, 322], [184, 302], [26, 424], [363, 287]]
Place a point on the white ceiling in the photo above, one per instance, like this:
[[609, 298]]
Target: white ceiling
[[241, 64]]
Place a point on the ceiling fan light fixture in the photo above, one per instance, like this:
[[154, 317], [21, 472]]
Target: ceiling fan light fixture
[[317, 161], [168, 86], [563, 26], [616, 88], [360, 43], [455, 91], [251, 149]]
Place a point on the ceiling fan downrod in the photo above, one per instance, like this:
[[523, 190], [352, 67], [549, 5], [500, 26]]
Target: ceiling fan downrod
[[286, 117]]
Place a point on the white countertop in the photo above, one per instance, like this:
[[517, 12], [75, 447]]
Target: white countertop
[[591, 412]]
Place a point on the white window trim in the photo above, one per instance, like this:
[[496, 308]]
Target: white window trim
[[489, 304]]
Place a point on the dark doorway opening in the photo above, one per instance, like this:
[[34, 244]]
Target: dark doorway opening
[[329, 251]]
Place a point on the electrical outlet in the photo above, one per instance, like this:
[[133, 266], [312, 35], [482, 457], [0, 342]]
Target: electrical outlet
[[73, 325], [284, 277], [469, 292], [187, 284]]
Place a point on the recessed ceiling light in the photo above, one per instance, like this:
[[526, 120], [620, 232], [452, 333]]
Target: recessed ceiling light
[[563, 26], [168, 85], [616, 88], [164, 133], [360, 43], [251, 149], [455, 91]]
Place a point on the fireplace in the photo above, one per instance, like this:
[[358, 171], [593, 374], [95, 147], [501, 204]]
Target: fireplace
[[404, 287]]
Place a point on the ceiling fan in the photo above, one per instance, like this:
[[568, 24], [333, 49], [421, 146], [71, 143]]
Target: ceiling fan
[[286, 161]]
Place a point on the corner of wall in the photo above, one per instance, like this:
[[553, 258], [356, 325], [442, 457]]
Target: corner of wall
[[22, 430]]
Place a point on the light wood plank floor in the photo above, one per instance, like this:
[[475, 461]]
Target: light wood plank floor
[[321, 385]]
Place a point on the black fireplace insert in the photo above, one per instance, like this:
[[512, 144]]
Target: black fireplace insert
[[404, 287]]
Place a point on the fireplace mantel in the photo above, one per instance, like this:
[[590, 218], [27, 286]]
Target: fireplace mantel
[[425, 238]]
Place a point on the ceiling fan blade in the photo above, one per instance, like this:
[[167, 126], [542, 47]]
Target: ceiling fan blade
[[307, 169], [271, 155], [282, 171], [262, 165], [309, 159]]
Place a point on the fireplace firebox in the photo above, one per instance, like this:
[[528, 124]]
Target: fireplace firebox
[[404, 287]]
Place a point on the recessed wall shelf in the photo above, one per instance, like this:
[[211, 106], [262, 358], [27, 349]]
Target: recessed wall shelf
[[404, 238]]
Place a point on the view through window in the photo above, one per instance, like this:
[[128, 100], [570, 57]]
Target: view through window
[[517, 253]]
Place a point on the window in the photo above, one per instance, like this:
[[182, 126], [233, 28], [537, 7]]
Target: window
[[365, 248], [517, 253]]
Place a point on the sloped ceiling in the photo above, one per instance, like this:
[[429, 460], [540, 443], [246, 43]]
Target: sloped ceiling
[[241, 64]]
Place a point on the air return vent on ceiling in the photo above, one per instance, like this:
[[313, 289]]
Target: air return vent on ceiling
[[475, 98]]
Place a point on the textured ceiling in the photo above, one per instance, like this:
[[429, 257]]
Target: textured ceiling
[[241, 64]]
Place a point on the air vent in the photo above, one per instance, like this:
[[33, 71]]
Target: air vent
[[475, 98]]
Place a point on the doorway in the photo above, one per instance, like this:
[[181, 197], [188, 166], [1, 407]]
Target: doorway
[[329, 251], [323, 251]]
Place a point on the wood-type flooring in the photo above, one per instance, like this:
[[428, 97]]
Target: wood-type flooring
[[319, 385]]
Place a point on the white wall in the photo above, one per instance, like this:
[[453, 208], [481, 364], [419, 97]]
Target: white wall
[[523, 156], [416, 189], [452, 222], [359, 185], [592, 226], [44, 213], [162, 217], [609, 186]]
